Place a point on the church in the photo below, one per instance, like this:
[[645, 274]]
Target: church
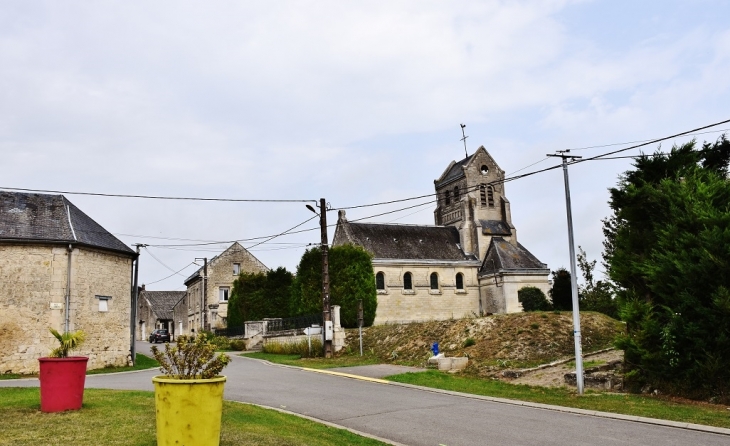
[[469, 263]]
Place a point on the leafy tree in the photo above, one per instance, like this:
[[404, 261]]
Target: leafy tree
[[533, 299], [561, 293], [667, 248], [259, 295], [351, 280], [595, 296]]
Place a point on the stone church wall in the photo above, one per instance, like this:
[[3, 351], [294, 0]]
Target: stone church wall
[[32, 296], [397, 305]]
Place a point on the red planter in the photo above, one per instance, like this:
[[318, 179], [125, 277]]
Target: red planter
[[62, 383]]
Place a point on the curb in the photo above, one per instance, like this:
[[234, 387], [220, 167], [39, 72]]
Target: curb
[[592, 413]]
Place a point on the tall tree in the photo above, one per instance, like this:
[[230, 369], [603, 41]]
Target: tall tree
[[561, 293], [351, 280], [259, 295], [667, 247], [595, 295]]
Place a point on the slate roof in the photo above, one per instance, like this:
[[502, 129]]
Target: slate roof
[[455, 171], [407, 242], [503, 255], [32, 217], [162, 302], [495, 227]]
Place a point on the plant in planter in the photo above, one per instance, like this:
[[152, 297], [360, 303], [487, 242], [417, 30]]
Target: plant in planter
[[62, 377], [189, 396]]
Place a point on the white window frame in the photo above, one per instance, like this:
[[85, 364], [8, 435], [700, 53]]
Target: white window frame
[[221, 293]]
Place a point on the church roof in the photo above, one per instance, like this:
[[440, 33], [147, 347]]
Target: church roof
[[406, 242], [29, 217], [454, 172], [495, 227], [503, 255], [163, 302]]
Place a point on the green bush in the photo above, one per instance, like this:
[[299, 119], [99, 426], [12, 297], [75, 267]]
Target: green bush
[[300, 348], [533, 299], [237, 344], [469, 342]]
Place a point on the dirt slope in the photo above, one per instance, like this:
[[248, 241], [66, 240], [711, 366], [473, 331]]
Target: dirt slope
[[499, 341]]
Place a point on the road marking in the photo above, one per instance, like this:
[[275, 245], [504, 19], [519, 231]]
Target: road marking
[[347, 375]]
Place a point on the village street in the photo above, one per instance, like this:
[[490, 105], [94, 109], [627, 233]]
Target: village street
[[413, 416]]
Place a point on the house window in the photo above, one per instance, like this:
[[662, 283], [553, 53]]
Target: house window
[[380, 281], [456, 193], [434, 281], [483, 194], [223, 293], [407, 281], [236, 269], [447, 197], [103, 303], [459, 281], [484, 169], [490, 196]]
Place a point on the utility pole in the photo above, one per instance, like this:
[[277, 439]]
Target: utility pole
[[463, 126], [328, 329], [573, 277], [326, 310], [133, 315], [204, 295]]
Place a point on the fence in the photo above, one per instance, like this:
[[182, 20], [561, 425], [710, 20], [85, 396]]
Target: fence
[[229, 332], [293, 323]]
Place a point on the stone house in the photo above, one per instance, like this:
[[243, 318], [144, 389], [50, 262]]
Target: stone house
[[468, 263], [156, 310], [60, 269], [214, 290]]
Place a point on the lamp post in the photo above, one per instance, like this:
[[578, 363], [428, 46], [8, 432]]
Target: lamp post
[[326, 310]]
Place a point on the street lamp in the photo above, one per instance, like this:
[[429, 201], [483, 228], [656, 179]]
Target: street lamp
[[326, 310]]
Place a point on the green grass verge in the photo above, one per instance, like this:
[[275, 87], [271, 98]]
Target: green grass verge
[[315, 363], [143, 363], [114, 417], [627, 404]]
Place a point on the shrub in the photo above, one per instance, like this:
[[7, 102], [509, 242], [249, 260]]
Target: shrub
[[533, 299], [300, 348], [469, 342], [237, 344], [68, 341], [191, 358]]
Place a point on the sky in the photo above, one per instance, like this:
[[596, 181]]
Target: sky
[[354, 102]]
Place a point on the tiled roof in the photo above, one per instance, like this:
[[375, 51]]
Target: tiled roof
[[495, 227], [503, 255], [455, 172], [51, 218], [411, 242], [162, 302]]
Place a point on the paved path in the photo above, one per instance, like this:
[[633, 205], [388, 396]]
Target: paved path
[[415, 416]]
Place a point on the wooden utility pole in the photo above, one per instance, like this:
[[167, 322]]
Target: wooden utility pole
[[326, 310]]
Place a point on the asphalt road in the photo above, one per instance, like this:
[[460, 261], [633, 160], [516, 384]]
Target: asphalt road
[[415, 416]]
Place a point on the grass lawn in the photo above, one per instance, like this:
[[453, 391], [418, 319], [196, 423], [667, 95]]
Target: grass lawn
[[142, 363], [315, 363], [628, 404], [114, 417]]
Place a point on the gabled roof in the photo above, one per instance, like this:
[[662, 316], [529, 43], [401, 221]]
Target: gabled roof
[[162, 303], [27, 217], [503, 255], [406, 242], [454, 171], [235, 247]]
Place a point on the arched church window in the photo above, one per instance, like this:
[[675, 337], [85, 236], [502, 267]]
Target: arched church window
[[456, 193], [407, 281], [447, 197], [484, 169], [483, 194], [380, 281], [490, 196], [434, 281], [459, 281]]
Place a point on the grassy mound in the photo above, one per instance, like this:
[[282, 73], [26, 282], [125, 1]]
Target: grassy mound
[[493, 342]]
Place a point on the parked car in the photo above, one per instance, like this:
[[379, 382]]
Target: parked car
[[159, 336]]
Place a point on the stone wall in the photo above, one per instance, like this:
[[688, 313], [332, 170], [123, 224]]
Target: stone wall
[[501, 297], [32, 296], [397, 305]]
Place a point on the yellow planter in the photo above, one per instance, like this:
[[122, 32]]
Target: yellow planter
[[188, 411]]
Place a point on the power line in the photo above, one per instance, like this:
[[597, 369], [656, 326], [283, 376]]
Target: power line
[[165, 278], [283, 233], [645, 140], [158, 197]]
